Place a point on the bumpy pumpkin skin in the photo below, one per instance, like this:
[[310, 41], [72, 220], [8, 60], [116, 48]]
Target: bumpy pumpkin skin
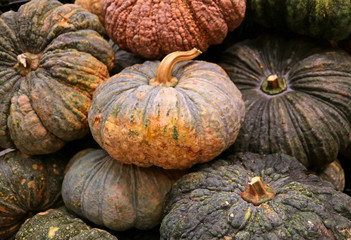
[[59, 224], [170, 127], [93, 6], [152, 29], [328, 19], [115, 195], [27, 185], [298, 120], [123, 58], [45, 104], [206, 203]]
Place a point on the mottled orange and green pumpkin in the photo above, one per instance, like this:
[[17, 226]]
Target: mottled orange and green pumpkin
[[27, 185], [52, 59], [115, 195], [171, 117], [93, 6], [335, 174], [153, 29], [59, 224]]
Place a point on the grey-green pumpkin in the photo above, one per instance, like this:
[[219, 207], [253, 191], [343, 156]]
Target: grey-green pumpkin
[[221, 200]]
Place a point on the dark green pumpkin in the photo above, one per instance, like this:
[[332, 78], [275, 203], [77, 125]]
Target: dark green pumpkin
[[115, 195], [59, 224], [208, 203], [123, 58], [52, 59], [27, 185], [327, 19], [297, 96]]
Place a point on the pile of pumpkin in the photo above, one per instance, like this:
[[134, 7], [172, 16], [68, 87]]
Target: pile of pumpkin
[[100, 137]]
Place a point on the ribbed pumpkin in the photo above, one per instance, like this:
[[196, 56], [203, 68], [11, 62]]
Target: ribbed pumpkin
[[118, 196], [59, 224], [153, 29], [123, 58], [27, 185], [172, 114], [52, 59], [328, 19], [93, 6], [297, 95], [252, 196]]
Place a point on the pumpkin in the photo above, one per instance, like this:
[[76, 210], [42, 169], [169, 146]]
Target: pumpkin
[[27, 185], [294, 91], [335, 174], [328, 19], [123, 58], [253, 196], [172, 114], [93, 6], [115, 195], [52, 59], [59, 224], [155, 29]]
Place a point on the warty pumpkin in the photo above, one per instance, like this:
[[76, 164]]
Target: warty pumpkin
[[52, 59], [294, 91], [115, 195], [328, 19], [172, 114], [59, 224], [153, 29], [253, 196], [27, 185]]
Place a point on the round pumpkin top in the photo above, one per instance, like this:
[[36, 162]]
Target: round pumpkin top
[[116, 195], [59, 224], [208, 203], [297, 96], [27, 185], [327, 19], [153, 29], [52, 59], [170, 114]]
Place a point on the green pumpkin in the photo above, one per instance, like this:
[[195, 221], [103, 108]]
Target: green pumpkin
[[115, 195], [59, 224], [327, 19], [294, 91], [27, 185], [253, 196], [172, 114], [52, 59]]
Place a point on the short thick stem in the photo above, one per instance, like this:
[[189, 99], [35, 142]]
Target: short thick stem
[[27, 62], [256, 192], [273, 85], [164, 72]]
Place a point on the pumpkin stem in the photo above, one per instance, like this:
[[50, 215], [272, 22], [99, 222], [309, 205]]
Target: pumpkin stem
[[164, 71], [256, 192], [27, 62], [273, 85]]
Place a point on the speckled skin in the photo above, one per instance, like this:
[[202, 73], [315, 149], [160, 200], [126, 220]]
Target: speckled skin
[[170, 127], [27, 185], [46, 104], [206, 203], [59, 224], [115, 195], [123, 58], [154, 28], [311, 120], [328, 19]]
